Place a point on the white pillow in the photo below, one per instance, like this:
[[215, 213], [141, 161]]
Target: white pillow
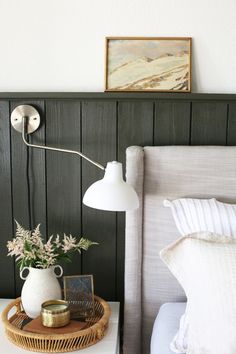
[[179, 343], [194, 215], [205, 266]]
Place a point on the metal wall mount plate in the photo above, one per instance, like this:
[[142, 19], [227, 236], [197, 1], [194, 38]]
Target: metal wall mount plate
[[30, 113]]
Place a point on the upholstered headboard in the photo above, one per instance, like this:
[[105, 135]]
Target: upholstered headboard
[[158, 173]]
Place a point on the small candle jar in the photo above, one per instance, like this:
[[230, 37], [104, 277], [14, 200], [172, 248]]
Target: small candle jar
[[55, 313]]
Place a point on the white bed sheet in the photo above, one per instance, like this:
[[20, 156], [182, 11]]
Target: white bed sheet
[[165, 327]]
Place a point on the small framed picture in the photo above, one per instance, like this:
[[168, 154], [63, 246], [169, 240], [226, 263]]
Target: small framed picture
[[79, 292], [148, 64]]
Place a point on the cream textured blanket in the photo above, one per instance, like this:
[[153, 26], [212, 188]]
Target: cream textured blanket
[[205, 266]]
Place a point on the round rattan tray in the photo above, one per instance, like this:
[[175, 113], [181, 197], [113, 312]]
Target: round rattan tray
[[95, 330]]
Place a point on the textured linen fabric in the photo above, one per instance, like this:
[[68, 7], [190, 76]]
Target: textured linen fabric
[[158, 173], [194, 215], [133, 255], [165, 326], [207, 261]]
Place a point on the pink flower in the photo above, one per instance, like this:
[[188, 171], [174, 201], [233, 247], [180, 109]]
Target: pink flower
[[29, 249], [69, 243]]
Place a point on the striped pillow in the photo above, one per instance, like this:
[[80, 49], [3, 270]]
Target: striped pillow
[[195, 215]]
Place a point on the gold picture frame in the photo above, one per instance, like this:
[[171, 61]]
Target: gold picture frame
[[79, 293], [148, 64]]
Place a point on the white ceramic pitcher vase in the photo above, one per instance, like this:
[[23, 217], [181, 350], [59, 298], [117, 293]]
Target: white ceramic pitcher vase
[[40, 285]]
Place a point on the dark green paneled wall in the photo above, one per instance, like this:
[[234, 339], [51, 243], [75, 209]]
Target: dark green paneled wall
[[102, 125]]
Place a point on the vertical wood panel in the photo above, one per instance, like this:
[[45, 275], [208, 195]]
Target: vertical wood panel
[[231, 131], [172, 123], [63, 173], [29, 200], [209, 123], [108, 128], [135, 127], [7, 288], [99, 143]]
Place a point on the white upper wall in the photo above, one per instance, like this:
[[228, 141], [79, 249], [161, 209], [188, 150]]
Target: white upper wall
[[58, 45]]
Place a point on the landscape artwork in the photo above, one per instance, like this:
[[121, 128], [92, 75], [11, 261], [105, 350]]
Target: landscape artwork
[[148, 64]]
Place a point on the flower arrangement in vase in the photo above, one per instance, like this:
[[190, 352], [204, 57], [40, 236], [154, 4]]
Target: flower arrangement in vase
[[41, 259]]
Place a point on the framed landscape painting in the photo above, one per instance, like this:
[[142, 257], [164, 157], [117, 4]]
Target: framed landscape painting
[[148, 64]]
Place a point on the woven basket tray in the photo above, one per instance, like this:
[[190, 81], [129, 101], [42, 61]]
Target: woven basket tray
[[50, 343]]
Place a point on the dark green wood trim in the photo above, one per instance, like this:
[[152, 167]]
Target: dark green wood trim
[[63, 126], [119, 96], [172, 123], [7, 273], [28, 179], [209, 123], [231, 131], [99, 143]]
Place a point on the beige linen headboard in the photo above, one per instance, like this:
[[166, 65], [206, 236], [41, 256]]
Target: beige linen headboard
[[158, 173]]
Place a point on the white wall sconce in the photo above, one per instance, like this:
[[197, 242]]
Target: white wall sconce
[[110, 193]]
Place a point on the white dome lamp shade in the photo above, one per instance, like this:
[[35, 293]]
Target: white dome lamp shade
[[111, 192]]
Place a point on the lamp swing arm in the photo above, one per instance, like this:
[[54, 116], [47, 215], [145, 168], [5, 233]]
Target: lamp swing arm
[[44, 147], [109, 193]]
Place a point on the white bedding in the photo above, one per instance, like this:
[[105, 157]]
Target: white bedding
[[165, 327]]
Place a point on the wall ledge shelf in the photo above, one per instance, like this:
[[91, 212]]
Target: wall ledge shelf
[[120, 96]]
